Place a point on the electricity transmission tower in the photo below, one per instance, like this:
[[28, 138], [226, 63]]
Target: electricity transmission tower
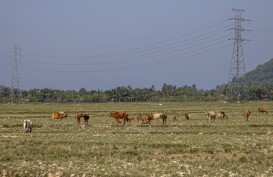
[[237, 82], [15, 90]]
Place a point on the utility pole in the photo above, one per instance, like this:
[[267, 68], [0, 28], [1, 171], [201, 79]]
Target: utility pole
[[237, 81], [15, 90]]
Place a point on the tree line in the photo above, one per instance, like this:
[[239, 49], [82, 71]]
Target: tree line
[[167, 92]]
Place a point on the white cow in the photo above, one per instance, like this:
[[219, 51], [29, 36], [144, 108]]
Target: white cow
[[162, 116], [211, 115], [27, 125]]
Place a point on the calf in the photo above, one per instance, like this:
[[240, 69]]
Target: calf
[[27, 125], [187, 116], [262, 110], [139, 117], [164, 117], [130, 118], [176, 116], [86, 118], [78, 116], [247, 114]]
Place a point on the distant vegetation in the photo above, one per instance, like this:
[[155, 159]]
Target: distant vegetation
[[259, 87], [119, 94], [168, 93], [262, 75]]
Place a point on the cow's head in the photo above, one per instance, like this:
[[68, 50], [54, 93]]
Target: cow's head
[[86, 116]]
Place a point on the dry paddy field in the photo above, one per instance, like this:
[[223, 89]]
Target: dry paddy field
[[233, 147]]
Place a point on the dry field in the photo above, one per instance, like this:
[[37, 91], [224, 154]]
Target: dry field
[[233, 147]]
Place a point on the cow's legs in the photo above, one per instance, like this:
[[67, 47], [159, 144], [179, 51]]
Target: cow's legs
[[164, 121], [124, 120], [78, 121]]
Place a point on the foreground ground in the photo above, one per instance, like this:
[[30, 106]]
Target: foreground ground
[[233, 147]]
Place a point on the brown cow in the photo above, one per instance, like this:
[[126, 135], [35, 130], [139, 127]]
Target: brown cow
[[247, 114], [187, 116], [147, 118], [78, 116], [139, 117], [176, 116], [130, 118], [58, 115], [119, 115], [262, 110]]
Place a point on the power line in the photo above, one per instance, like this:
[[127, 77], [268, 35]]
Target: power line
[[204, 40], [193, 43], [155, 45], [149, 54], [159, 58], [163, 60]]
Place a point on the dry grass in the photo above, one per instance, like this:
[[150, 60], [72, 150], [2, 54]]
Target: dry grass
[[194, 147]]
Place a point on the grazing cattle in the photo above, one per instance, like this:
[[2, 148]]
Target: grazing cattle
[[262, 110], [27, 125], [78, 116], [176, 116], [187, 116], [157, 115], [119, 115], [211, 115], [222, 115], [247, 114], [130, 118], [139, 117], [86, 118], [164, 118], [58, 115], [149, 117]]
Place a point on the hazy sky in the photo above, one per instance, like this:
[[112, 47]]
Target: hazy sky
[[102, 44]]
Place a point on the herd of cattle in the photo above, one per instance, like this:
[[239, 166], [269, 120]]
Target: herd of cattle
[[123, 117]]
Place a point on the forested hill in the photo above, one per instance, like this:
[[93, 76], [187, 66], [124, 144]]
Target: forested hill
[[262, 75]]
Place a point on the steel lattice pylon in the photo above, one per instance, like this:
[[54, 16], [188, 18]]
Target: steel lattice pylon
[[15, 90], [237, 82]]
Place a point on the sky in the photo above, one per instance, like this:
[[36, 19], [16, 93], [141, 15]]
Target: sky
[[104, 44]]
